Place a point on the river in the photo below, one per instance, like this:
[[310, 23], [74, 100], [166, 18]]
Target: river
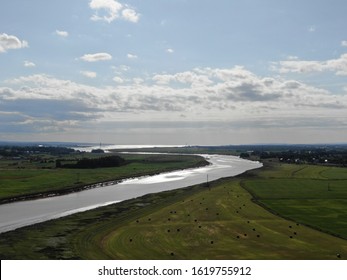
[[19, 214]]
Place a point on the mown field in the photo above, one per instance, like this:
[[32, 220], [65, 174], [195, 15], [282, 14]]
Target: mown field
[[23, 177], [200, 222]]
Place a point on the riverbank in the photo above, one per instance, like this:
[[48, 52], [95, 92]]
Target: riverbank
[[31, 182]]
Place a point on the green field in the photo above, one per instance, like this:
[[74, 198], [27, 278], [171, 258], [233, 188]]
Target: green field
[[220, 222], [312, 195], [23, 178]]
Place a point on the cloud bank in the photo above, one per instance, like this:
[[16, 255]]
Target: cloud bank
[[202, 99]]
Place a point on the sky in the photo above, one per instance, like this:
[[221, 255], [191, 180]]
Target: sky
[[185, 72]]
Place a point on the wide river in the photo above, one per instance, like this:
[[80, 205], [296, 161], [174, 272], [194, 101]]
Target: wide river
[[20, 214]]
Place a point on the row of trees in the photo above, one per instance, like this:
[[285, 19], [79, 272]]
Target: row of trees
[[110, 161], [315, 156]]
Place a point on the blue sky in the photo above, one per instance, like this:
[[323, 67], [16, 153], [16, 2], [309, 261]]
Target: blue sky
[[173, 72]]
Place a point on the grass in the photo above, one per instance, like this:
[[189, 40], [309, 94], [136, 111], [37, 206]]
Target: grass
[[220, 222], [313, 195], [28, 178]]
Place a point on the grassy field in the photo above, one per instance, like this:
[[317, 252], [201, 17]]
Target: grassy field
[[220, 222], [312, 195], [23, 178]]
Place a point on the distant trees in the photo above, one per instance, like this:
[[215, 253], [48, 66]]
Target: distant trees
[[244, 155], [110, 161], [14, 151]]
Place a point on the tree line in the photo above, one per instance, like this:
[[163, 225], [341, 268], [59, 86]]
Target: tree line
[[109, 161]]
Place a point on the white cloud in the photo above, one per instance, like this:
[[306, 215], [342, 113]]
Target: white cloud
[[312, 28], [62, 33], [292, 57], [96, 57], [8, 42], [118, 80], [339, 66], [132, 56], [89, 74], [344, 43], [29, 64], [130, 15], [110, 10], [170, 50], [138, 81]]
